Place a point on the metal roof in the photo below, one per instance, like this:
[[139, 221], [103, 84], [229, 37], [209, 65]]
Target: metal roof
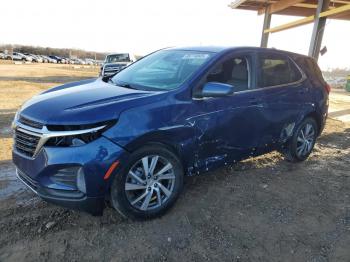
[[338, 9]]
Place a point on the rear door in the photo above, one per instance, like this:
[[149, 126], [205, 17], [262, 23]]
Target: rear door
[[282, 89]]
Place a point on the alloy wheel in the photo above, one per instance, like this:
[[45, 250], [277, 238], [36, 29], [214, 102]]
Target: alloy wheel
[[150, 182], [305, 140]]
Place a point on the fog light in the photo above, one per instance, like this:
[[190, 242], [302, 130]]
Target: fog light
[[71, 177], [81, 180], [66, 177]]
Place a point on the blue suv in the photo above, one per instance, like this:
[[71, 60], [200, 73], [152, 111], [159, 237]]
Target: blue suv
[[129, 139]]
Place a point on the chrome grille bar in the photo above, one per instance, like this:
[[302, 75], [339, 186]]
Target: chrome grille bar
[[29, 140]]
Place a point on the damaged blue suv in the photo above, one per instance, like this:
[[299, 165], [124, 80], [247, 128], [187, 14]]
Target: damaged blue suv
[[129, 139]]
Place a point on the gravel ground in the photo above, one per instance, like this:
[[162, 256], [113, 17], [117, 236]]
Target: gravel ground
[[263, 209]]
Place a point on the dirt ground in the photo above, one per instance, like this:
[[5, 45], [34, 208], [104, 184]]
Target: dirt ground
[[263, 209]]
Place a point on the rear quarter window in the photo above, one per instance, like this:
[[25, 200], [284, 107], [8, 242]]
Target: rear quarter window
[[311, 69]]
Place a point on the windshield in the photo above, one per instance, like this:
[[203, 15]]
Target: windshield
[[117, 58], [165, 69]]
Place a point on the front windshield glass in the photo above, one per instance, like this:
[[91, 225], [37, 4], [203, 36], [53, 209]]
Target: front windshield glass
[[118, 58], [165, 69]]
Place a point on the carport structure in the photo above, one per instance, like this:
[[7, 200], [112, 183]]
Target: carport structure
[[311, 11]]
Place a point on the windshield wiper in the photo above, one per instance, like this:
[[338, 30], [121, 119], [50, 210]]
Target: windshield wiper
[[126, 85]]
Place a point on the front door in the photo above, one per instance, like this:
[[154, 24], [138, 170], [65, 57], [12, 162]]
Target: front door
[[228, 128]]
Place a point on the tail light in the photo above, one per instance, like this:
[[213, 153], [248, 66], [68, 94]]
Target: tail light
[[328, 88]]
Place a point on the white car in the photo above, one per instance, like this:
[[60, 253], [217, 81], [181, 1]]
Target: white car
[[49, 59], [89, 61], [22, 57]]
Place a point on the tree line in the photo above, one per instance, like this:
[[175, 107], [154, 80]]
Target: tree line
[[62, 52]]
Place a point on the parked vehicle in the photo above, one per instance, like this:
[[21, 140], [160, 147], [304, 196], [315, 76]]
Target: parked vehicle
[[35, 58], [7, 56], [89, 61], [44, 59], [57, 58], [70, 61], [21, 57], [130, 139], [2, 55], [113, 63], [49, 59]]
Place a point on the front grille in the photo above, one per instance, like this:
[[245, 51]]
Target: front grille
[[26, 143], [109, 70], [28, 180], [31, 123], [114, 68]]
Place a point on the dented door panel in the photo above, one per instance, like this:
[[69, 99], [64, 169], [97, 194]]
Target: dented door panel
[[227, 129]]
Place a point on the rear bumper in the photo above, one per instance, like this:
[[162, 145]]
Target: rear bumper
[[94, 159]]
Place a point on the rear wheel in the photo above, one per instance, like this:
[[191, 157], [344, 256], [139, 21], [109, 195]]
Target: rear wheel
[[149, 184], [301, 144]]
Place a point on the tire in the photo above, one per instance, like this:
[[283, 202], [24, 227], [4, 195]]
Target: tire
[[297, 150], [137, 196]]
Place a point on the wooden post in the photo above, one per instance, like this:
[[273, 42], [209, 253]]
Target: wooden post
[[267, 22], [318, 30]]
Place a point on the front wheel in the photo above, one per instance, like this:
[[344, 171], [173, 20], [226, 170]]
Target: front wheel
[[302, 142], [149, 184]]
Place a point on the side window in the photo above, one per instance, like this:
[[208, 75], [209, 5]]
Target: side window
[[234, 71], [276, 70]]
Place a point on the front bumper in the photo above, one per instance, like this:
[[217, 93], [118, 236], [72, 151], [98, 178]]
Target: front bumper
[[94, 159], [92, 205]]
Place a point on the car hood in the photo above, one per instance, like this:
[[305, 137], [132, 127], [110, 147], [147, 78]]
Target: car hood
[[84, 102]]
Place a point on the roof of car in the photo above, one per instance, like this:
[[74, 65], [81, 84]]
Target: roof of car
[[214, 49], [218, 49], [120, 53]]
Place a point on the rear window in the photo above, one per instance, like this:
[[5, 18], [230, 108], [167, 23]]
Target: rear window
[[276, 70]]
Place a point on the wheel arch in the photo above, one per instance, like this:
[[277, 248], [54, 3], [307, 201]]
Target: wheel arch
[[180, 141], [314, 115]]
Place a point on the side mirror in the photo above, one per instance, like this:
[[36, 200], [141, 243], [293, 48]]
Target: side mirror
[[216, 89]]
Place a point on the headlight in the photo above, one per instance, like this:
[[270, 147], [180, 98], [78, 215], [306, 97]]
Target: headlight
[[65, 136], [15, 119]]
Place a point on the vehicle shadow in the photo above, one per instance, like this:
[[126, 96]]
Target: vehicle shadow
[[340, 139], [339, 113], [275, 161]]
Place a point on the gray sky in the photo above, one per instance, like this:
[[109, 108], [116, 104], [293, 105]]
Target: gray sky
[[143, 26]]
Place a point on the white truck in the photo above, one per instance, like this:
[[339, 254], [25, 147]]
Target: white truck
[[113, 63]]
